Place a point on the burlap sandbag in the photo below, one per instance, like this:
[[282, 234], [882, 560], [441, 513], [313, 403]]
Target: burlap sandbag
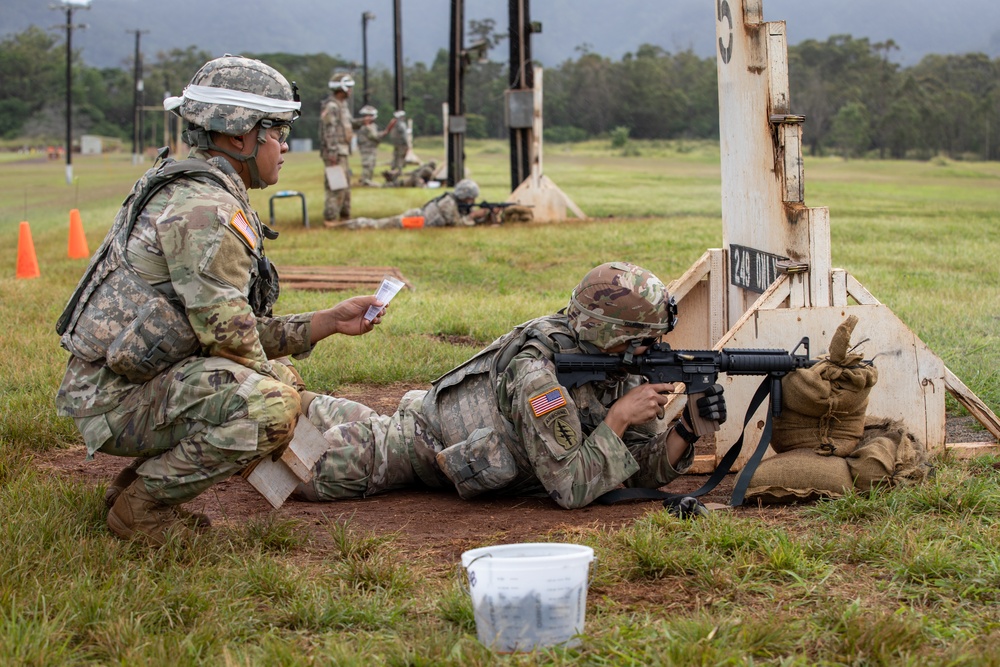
[[888, 455], [799, 476], [823, 407], [513, 214]]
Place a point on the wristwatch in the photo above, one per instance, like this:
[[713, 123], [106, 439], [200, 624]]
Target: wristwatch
[[682, 430]]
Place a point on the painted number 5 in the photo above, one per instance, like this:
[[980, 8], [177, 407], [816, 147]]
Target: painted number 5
[[726, 50]]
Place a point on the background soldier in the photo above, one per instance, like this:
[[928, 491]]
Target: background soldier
[[502, 423], [418, 177], [335, 133], [176, 359], [397, 132], [368, 141], [452, 209]]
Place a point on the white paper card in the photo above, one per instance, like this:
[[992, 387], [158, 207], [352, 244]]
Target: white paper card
[[389, 288], [335, 177]]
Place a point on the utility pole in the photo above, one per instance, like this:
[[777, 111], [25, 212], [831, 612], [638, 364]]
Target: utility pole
[[365, 18], [69, 6], [520, 92], [456, 102], [137, 102], [397, 22]]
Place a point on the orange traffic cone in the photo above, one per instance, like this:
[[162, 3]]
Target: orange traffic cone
[[77, 239], [27, 263]]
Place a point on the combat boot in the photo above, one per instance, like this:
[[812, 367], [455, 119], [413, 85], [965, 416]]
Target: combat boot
[[129, 474], [138, 514], [121, 481]]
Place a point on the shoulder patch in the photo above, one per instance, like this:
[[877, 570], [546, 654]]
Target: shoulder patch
[[564, 434], [547, 402], [240, 224]]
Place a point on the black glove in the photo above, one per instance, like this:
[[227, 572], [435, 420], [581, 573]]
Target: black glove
[[712, 406], [686, 507]]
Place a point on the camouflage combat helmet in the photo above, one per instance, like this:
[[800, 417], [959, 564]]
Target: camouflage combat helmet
[[368, 110], [466, 189], [232, 95], [619, 303], [341, 81]]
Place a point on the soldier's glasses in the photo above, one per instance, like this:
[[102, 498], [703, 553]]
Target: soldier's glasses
[[283, 126]]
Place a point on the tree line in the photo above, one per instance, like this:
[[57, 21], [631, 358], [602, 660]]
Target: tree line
[[856, 100]]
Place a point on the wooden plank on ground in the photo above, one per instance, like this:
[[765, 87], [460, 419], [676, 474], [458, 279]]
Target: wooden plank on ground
[[275, 480], [970, 450], [330, 278], [703, 464]]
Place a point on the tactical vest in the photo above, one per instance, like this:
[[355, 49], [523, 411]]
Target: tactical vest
[[464, 399], [432, 210], [117, 316]]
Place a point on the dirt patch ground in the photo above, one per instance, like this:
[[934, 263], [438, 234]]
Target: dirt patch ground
[[425, 521]]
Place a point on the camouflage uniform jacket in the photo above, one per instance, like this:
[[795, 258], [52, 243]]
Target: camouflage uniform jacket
[[397, 132], [335, 129], [557, 436], [443, 212], [368, 138], [201, 245]]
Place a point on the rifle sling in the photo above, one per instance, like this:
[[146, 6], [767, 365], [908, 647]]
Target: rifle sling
[[721, 470]]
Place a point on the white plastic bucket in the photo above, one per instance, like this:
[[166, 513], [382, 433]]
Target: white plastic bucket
[[528, 595]]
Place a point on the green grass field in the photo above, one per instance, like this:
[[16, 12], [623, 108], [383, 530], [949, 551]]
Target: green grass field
[[910, 577]]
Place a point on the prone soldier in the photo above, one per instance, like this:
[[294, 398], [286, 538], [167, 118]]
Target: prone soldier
[[503, 423]]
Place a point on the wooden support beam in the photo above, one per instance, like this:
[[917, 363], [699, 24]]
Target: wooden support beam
[[972, 403]]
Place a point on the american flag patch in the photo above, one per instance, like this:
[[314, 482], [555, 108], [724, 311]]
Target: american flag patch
[[240, 224], [547, 402]]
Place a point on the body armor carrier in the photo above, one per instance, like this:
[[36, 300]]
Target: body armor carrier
[[462, 406], [117, 316]]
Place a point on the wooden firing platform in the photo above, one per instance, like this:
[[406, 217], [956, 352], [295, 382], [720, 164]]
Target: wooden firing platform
[[335, 278]]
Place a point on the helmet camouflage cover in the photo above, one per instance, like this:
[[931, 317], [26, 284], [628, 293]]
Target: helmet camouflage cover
[[232, 94], [466, 189], [619, 302], [368, 110]]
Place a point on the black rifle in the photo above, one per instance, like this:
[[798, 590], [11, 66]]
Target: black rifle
[[697, 369]]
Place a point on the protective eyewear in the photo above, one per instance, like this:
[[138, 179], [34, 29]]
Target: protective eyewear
[[284, 128]]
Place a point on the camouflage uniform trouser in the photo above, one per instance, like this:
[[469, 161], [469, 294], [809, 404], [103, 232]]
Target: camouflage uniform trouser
[[201, 421], [370, 453], [399, 157], [338, 202], [368, 160]]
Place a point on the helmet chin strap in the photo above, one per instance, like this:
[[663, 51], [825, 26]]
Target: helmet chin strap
[[202, 139], [629, 354]]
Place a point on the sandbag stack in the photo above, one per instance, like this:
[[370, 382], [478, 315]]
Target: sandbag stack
[[825, 445]]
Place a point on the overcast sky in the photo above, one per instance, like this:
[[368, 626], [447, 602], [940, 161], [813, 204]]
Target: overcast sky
[[608, 28]]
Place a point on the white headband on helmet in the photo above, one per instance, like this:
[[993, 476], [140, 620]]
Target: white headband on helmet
[[213, 95]]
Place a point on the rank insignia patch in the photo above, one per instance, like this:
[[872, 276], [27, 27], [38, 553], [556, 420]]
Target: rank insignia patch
[[547, 402], [240, 224]]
